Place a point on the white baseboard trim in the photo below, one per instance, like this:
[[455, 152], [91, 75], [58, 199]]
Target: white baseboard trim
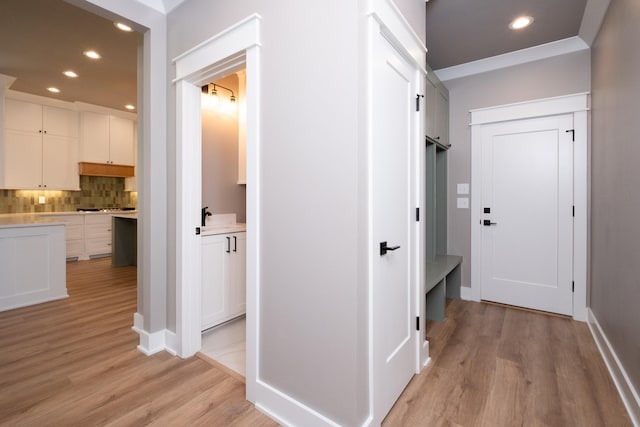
[[171, 342], [273, 402], [466, 293], [627, 392], [151, 343]]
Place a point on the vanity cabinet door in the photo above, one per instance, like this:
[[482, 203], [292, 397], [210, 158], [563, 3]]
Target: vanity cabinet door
[[223, 278]]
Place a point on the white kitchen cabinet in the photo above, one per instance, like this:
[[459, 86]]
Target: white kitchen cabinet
[[74, 234], [107, 139], [97, 233], [223, 278], [436, 110], [40, 147], [32, 267]]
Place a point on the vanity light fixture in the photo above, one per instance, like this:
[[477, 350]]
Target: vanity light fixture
[[70, 73], [92, 54], [123, 27], [213, 91], [521, 22], [53, 89]]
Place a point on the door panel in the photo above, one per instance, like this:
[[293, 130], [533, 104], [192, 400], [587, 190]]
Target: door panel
[[393, 313], [527, 183]]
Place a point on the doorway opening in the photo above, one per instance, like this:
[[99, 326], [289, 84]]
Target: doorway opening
[[224, 221], [499, 135]]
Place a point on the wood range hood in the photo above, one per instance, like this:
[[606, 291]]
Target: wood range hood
[[106, 169]]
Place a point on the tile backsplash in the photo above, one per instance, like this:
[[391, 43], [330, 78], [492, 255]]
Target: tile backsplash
[[95, 192]]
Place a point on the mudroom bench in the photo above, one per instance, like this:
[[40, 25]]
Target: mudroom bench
[[443, 281]]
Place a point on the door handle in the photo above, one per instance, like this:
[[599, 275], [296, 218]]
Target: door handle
[[235, 244], [228, 245], [487, 223], [384, 248]]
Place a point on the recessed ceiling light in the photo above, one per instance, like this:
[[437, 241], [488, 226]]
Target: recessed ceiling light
[[92, 54], [521, 22], [53, 89], [130, 107], [123, 27], [70, 73]]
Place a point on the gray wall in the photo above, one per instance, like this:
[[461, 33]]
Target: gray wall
[[615, 183], [560, 75], [220, 189], [313, 329]]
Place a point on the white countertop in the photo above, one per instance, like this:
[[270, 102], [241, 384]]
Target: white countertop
[[40, 219], [85, 213], [210, 230], [27, 220], [222, 224]]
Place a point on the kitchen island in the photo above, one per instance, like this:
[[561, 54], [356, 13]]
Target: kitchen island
[[32, 260], [125, 240]]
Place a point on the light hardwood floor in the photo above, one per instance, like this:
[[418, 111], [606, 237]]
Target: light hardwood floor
[[499, 366], [74, 362]]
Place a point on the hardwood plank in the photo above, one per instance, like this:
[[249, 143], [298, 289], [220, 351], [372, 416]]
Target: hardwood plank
[[74, 362], [496, 365]]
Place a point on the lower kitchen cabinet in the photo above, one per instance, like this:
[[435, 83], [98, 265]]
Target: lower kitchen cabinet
[[223, 277], [97, 234], [74, 232]]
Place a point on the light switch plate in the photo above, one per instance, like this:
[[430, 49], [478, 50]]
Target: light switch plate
[[463, 188], [463, 203], [41, 200]]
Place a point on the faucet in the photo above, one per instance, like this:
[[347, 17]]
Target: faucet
[[205, 214]]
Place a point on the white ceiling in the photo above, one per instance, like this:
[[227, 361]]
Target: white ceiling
[[462, 31], [39, 39]]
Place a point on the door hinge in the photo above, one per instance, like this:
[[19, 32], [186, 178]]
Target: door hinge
[[573, 211], [573, 286], [418, 323], [573, 134], [197, 231], [418, 96], [417, 214]]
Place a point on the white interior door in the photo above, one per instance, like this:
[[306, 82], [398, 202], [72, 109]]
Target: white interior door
[[393, 309], [527, 219]]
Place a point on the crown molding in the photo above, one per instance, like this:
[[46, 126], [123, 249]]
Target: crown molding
[[594, 13], [535, 53]]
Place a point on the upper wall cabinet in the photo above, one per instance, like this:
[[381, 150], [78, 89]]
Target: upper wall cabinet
[[40, 147], [437, 110], [107, 139]]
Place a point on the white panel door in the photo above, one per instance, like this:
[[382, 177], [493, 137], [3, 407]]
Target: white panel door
[[527, 202], [393, 119]]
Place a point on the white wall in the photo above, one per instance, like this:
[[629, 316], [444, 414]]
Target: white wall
[[312, 334], [560, 75]]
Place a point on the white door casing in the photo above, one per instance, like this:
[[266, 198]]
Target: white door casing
[[393, 138], [527, 234], [576, 106], [227, 52]]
